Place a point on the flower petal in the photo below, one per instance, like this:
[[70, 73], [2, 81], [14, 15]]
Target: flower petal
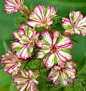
[[66, 55], [40, 54], [63, 40], [50, 61], [46, 38], [74, 16], [56, 34]]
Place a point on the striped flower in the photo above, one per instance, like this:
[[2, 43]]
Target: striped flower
[[27, 39], [10, 63], [26, 81], [63, 73], [76, 24], [13, 6], [54, 49], [41, 16]]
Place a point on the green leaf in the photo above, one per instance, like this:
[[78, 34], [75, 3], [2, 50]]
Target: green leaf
[[55, 88], [5, 46], [12, 86], [44, 70], [82, 63], [5, 79], [75, 41], [34, 63]]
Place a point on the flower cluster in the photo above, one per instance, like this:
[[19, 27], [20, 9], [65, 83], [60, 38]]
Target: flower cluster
[[27, 38], [54, 48], [63, 73], [11, 63], [41, 16], [76, 24], [12, 6], [26, 81]]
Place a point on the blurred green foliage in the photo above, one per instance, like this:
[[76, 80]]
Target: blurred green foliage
[[7, 26]]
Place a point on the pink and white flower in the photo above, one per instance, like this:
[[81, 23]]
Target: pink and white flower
[[26, 81], [63, 73], [41, 16], [11, 63], [12, 6], [76, 24], [54, 49], [27, 38]]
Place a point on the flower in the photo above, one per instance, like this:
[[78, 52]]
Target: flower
[[54, 49], [76, 24], [13, 6], [26, 81], [27, 39], [41, 16], [11, 63], [63, 73]]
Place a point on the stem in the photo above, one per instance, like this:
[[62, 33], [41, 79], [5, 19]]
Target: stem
[[49, 29], [66, 34], [25, 10]]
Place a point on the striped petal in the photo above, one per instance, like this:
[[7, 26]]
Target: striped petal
[[69, 29], [33, 23], [13, 5], [56, 34], [66, 55], [82, 23], [63, 40], [46, 38], [37, 10], [74, 16], [46, 49], [40, 54], [50, 61], [50, 12]]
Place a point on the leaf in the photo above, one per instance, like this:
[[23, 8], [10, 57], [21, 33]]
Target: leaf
[[44, 70], [5, 79], [5, 46], [82, 63], [55, 88], [34, 63], [75, 41], [12, 86]]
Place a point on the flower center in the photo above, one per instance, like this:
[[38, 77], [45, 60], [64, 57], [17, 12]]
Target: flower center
[[53, 48], [44, 22]]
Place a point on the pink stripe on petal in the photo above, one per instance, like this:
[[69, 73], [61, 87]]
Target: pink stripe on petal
[[56, 76], [24, 54], [61, 58], [63, 41], [38, 11], [34, 17], [75, 17], [46, 35], [67, 56], [22, 26], [24, 87], [56, 34], [65, 19], [40, 54], [50, 61], [23, 74], [33, 23]]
